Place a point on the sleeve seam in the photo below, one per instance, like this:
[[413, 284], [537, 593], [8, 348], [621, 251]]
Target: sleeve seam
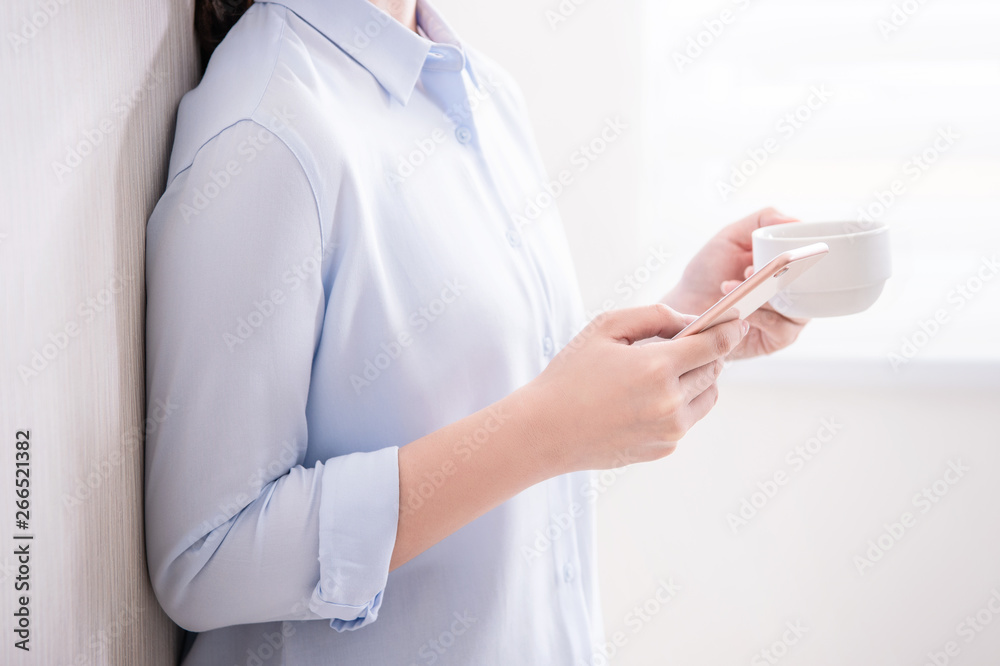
[[298, 160], [251, 118]]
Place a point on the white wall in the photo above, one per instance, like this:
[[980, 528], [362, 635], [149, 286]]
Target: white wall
[[795, 559], [93, 87]]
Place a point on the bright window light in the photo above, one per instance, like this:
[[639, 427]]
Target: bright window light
[[840, 111]]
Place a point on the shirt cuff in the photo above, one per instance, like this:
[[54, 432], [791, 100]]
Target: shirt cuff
[[358, 514]]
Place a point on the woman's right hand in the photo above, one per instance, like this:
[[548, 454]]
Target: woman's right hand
[[604, 401]]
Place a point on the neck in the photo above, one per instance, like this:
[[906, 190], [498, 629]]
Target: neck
[[404, 11]]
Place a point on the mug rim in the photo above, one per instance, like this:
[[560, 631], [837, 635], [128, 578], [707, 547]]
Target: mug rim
[[764, 232]]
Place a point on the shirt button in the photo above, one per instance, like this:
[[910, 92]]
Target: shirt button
[[463, 134], [568, 572], [547, 346], [513, 238]]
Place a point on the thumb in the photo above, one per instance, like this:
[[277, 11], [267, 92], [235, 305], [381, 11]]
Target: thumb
[[648, 321], [762, 218]]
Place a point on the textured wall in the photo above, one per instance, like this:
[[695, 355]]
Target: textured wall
[[89, 96]]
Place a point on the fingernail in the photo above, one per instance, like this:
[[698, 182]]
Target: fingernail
[[745, 326]]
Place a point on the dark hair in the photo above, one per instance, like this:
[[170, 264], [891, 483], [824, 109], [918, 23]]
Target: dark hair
[[212, 20]]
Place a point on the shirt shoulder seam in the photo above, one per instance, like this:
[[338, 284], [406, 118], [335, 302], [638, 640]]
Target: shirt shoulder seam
[[251, 118], [298, 160], [248, 116]]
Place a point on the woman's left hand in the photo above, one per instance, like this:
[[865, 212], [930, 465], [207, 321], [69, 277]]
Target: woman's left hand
[[724, 262]]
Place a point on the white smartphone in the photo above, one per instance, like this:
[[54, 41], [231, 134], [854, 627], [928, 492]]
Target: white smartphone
[[759, 288]]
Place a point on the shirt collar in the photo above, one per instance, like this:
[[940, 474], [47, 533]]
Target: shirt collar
[[394, 54]]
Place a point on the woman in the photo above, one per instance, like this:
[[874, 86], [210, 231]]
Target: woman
[[376, 455]]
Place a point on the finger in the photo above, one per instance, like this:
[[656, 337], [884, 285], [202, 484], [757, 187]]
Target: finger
[[653, 340], [702, 404], [766, 315], [762, 218], [729, 285], [694, 382], [769, 332], [696, 350], [632, 324]]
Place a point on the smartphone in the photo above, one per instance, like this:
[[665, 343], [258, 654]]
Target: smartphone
[[759, 288]]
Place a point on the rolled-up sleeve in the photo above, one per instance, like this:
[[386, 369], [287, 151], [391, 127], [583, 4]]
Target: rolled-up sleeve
[[238, 530], [353, 556]]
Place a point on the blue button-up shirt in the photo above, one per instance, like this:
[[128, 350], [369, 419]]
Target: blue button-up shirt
[[357, 246]]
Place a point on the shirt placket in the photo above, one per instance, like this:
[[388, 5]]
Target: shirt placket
[[442, 81], [446, 83]]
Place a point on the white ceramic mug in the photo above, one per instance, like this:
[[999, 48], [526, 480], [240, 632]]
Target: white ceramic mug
[[848, 280]]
